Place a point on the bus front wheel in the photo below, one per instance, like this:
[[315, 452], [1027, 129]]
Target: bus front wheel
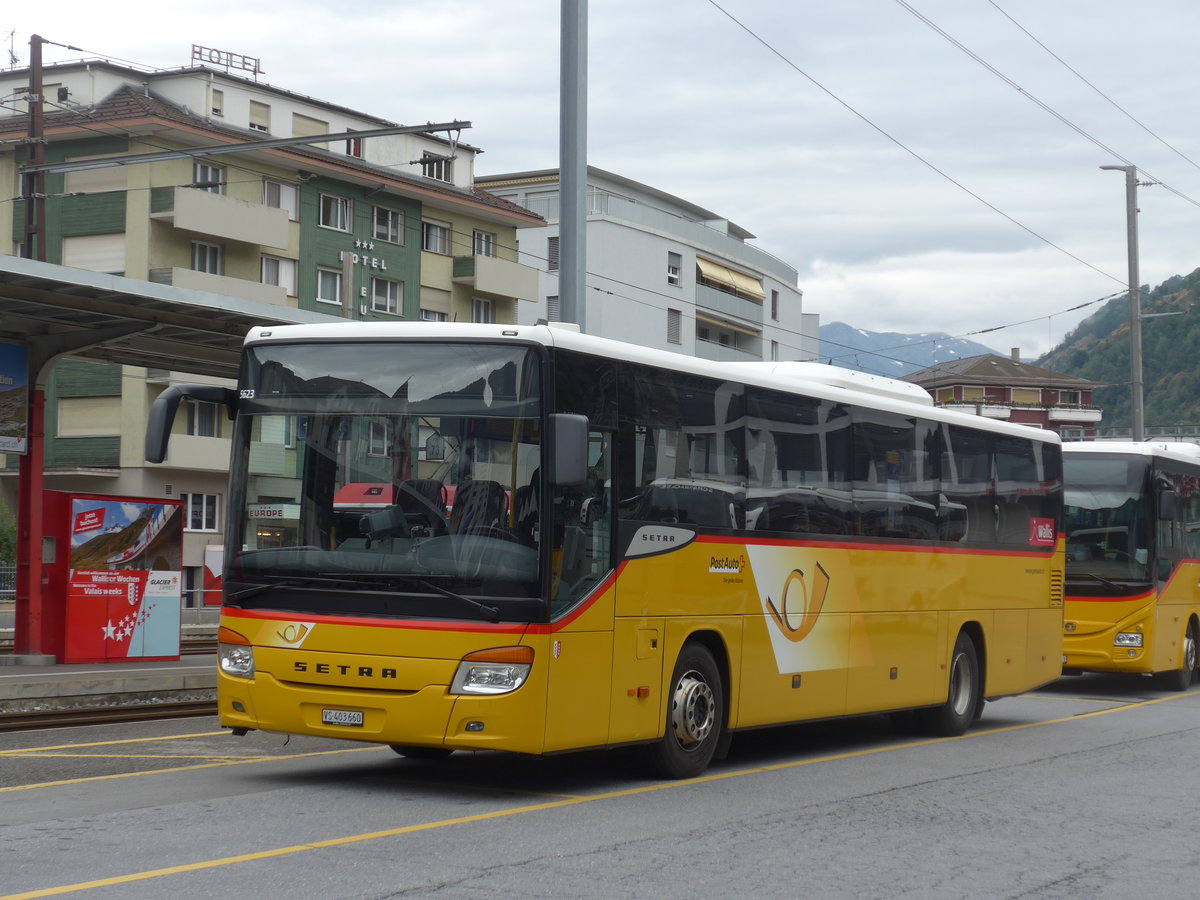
[[963, 694], [1180, 679], [695, 716]]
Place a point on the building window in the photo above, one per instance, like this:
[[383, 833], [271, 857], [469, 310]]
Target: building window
[[199, 512], [481, 310], [552, 254], [674, 326], [774, 351], [775, 306], [329, 286], [280, 272], [972, 394], [208, 178], [674, 263], [436, 167], [334, 213], [553, 310], [278, 195], [354, 147], [435, 237], [206, 258], [944, 395], [378, 439], [1027, 396], [386, 295], [433, 315], [203, 419], [1069, 398], [389, 225], [218, 102], [485, 243], [260, 116]]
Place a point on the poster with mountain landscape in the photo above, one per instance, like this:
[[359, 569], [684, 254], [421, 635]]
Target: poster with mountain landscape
[[126, 579]]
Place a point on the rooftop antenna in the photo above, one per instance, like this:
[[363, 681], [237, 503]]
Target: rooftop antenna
[[13, 59]]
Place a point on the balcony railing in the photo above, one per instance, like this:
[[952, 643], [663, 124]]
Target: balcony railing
[[218, 216]]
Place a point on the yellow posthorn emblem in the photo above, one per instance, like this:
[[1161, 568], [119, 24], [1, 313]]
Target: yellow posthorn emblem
[[293, 633], [799, 607]]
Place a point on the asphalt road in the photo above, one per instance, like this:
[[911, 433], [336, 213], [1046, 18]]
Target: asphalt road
[[1084, 789]]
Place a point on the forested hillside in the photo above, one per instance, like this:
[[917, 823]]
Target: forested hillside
[[1099, 350]]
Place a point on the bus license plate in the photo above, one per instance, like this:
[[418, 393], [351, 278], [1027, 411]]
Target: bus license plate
[[351, 717]]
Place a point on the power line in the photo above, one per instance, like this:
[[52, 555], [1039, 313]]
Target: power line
[[1049, 109], [1110, 100], [925, 162]]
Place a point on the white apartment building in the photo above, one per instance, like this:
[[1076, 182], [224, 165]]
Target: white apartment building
[[663, 272]]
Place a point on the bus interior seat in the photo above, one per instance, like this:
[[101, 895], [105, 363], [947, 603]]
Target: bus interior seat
[[478, 504], [423, 501], [525, 510]]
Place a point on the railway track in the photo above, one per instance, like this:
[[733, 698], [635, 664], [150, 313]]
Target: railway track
[[105, 715]]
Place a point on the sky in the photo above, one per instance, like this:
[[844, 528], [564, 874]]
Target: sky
[[924, 165]]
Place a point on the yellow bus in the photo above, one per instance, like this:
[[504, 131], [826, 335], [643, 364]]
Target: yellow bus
[[449, 537], [1132, 524]]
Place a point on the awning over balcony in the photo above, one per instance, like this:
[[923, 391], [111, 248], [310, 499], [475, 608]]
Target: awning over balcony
[[718, 272]]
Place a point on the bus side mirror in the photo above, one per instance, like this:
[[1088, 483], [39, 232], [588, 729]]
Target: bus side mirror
[[1166, 505], [569, 465], [165, 405]]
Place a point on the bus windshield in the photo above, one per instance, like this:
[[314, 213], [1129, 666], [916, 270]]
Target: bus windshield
[[1107, 517], [388, 479]]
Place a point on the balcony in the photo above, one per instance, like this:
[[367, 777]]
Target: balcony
[[981, 408], [206, 454], [221, 284], [499, 277], [729, 305], [1074, 414], [726, 352], [218, 216]]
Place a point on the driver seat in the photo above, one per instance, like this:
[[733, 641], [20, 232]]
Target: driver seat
[[477, 505]]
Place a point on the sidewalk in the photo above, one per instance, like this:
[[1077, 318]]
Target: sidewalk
[[53, 686]]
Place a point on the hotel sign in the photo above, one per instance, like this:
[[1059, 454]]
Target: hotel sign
[[227, 59]]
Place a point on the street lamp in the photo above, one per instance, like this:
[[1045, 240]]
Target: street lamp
[[1137, 402]]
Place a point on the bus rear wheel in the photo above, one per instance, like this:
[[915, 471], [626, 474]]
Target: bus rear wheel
[[695, 716], [1181, 679], [963, 694]]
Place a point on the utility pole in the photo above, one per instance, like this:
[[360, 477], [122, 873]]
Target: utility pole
[[1137, 401], [33, 184], [572, 161]]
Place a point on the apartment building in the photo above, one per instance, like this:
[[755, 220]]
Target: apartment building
[[663, 272]]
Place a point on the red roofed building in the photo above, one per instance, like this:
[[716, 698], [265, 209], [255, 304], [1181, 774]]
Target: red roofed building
[[1006, 388]]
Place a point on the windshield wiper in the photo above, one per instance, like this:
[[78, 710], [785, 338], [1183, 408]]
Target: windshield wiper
[[306, 581], [1100, 578], [491, 613]]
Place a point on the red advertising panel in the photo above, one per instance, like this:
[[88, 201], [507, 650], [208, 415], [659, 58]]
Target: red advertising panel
[[125, 579]]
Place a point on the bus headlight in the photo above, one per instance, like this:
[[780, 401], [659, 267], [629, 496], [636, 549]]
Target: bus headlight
[[1128, 639], [235, 656], [496, 671]]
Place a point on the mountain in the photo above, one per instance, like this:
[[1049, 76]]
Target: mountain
[[1098, 349], [891, 353]]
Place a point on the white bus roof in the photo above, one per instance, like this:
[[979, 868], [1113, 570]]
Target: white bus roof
[[814, 379], [1181, 451]]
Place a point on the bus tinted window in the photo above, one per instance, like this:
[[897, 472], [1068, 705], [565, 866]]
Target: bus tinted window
[[688, 450]]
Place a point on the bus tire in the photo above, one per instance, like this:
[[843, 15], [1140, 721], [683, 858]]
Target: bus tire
[[420, 752], [963, 695], [1181, 679], [695, 716]]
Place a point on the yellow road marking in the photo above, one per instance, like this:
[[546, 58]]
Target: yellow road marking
[[211, 765], [144, 740], [541, 807]]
